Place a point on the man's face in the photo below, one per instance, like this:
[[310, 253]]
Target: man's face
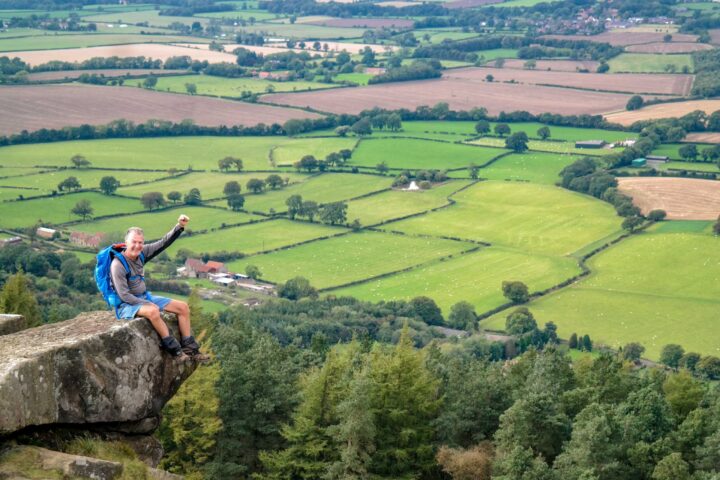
[[134, 245]]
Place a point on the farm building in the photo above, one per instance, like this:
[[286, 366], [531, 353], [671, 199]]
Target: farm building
[[10, 241], [83, 239], [195, 268], [639, 162], [590, 144], [44, 232], [658, 158]]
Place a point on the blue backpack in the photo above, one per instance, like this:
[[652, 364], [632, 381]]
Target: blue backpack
[[102, 272]]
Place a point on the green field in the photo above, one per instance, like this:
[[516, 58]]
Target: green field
[[255, 237], [649, 62], [534, 218], [359, 78], [672, 151], [684, 226], [259, 15], [420, 154], [290, 152], [630, 297], [564, 148], [694, 166], [153, 18], [321, 189], [520, 3], [476, 278], [49, 42], [211, 185], [157, 224], [305, 32], [159, 153], [45, 183], [229, 87], [56, 210], [395, 204], [462, 130], [529, 166], [439, 36], [349, 258], [490, 55], [568, 134]]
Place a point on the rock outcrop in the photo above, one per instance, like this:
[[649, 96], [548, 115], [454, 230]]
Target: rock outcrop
[[11, 324], [90, 371], [25, 462]]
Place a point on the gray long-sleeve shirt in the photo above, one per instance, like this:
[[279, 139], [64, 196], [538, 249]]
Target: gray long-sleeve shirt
[[129, 289]]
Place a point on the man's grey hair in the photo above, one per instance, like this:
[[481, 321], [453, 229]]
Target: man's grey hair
[[134, 231]]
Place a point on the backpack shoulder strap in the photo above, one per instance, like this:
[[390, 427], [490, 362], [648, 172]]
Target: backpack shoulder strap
[[124, 262]]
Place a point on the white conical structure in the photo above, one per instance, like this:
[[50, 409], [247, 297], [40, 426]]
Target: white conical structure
[[413, 186]]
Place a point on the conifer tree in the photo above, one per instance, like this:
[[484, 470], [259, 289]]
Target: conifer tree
[[17, 298]]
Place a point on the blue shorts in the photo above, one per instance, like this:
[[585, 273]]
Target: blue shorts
[[125, 311]]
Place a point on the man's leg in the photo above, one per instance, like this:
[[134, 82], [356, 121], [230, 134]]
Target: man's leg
[[152, 313], [182, 311]]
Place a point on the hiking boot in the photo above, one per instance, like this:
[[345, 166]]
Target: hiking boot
[[191, 348], [170, 345]]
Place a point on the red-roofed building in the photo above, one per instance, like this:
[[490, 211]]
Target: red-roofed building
[[83, 239], [195, 268]]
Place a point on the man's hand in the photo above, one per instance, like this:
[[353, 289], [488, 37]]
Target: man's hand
[[183, 220]]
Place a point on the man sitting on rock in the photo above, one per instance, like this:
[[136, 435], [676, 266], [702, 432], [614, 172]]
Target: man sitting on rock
[[138, 302]]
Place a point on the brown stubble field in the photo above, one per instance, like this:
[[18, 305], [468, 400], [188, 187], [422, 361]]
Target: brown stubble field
[[364, 23], [459, 94], [56, 106], [624, 38], [668, 47], [681, 198], [552, 65], [73, 74], [660, 84], [663, 110], [156, 51]]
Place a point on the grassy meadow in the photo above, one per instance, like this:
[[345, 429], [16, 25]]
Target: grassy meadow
[[350, 258], [56, 210], [649, 62], [476, 277], [255, 237], [630, 296], [408, 153], [535, 218], [230, 87], [200, 153], [158, 223]]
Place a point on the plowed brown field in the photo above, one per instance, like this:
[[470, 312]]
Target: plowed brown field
[[681, 198], [662, 84], [459, 94], [56, 106], [707, 137], [663, 110]]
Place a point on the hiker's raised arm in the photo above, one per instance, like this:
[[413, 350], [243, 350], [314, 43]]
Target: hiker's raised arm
[[154, 249]]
